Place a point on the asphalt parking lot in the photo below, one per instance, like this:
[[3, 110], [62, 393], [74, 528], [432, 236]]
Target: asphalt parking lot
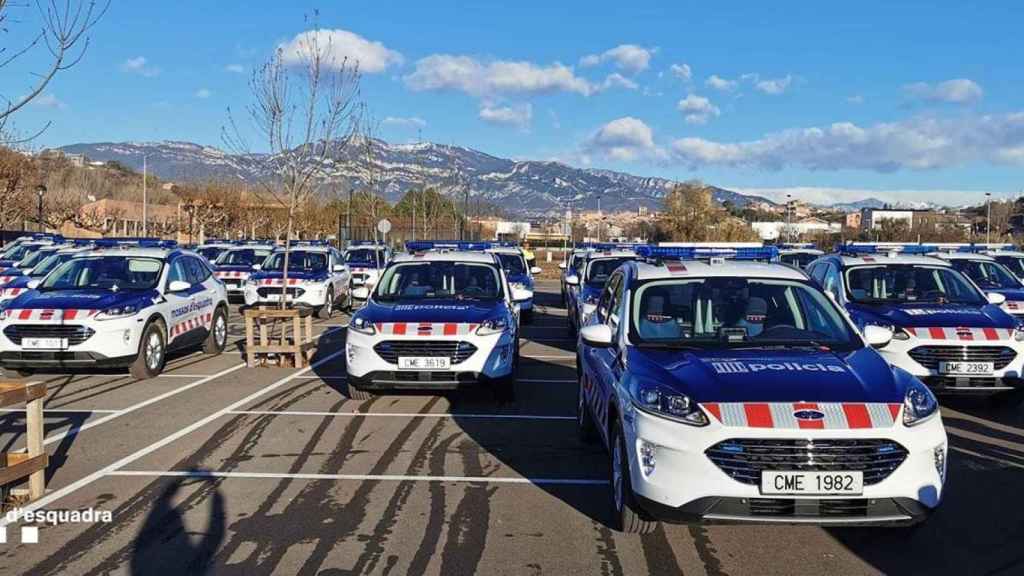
[[218, 468]]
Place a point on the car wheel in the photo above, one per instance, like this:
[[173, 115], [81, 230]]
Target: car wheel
[[217, 339], [528, 316], [584, 420], [626, 515], [327, 310], [152, 353]]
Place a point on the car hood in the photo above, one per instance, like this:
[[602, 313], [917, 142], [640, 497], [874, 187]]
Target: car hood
[[936, 315], [8, 271], [80, 299], [237, 268], [770, 375], [461, 311]]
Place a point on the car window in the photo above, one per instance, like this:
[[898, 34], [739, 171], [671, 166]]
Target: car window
[[616, 299], [197, 272], [833, 280], [178, 272], [878, 284]]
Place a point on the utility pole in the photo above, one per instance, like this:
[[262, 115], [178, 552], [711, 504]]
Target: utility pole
[[599, 219], [988, 219], [145, 204], [40, 191], [348, 219], [789, 225]]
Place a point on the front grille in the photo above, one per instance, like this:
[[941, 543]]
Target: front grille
[[75, 333], [930, 356], [360, 276], [968, 383], [836, 508], [276, 291], [456, 351], [744, 459]]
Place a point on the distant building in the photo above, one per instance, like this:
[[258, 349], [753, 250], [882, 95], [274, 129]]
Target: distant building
[[872, 218], [78, 160], [853, 220], [795, 230]]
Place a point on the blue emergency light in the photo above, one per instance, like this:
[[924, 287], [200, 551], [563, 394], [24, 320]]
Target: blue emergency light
[[355, 243], [797, 246], [426, 245], [140, 242], [860, 248], [309, 243], [762, 254]]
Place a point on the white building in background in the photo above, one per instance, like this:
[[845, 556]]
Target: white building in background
[[872, 218], [511, 230], [807, 226]]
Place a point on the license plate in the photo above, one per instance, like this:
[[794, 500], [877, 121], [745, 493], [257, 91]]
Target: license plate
[[44, 343], [812, 483], [967, 368], [423, 363]]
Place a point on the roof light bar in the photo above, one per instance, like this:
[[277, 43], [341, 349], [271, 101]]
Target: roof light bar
[[856, 248], [426, 245], [750, 253], [797, 246]]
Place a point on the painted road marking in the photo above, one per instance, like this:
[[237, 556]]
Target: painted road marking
[[403, 415], [357, 477]]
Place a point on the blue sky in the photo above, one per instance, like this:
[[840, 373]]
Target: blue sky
[[901, 100]]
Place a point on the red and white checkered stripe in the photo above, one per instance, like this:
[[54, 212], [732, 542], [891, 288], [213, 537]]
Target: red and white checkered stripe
[[49, 314], [675, 268], [425, 329], [222, 274], [838, 416], [11, 292], [279, 281], [191, 324], [6, 279], [964, 334]]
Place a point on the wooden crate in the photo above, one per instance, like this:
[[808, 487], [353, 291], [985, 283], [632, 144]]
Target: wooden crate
[[287, 334], [31, 464]]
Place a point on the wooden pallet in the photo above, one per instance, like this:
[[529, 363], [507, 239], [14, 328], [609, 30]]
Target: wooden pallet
[[286, 334], [15, 466]]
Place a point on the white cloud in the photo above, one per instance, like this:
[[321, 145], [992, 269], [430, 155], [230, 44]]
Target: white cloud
[[681, 71], [825, 195], [203, 93], [340, 46], [697, 109], [956, 91], [139, 65], [410, 122], [50, 101], [919, 143], [627, 57], [616, 80], [719, 83], [469, 75], [774, 86], [625, 138], [235, 68], [518, 116]]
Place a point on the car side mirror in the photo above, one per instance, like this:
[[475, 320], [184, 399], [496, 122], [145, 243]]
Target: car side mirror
[[996, 298], [588, 309], [597, 335], [535, 270], [178, 286], [340, 268], [572, 280], [561, 266], [877, 336], [361, 293], [257, 266], [32, 285], [520, 295]]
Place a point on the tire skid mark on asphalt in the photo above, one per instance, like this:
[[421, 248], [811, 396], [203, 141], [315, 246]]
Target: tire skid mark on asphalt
[[470, 522], [96, 535], [437, 515], [610, 565], [706, 551], [658, 552]]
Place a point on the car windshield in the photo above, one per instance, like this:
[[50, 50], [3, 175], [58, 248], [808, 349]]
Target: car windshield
[[440, 280], [1014, 264], [298, 261], [599, 270], [799, 259], [114, 273], [513, 264], [365, 256], [244, 257], [210, 252], [20, 251], [894, 283], [34, 258], [48, 264], [986, 274], [737, 313]]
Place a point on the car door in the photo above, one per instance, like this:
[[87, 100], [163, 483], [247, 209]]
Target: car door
[[204, 291], [181, 316], [605, 365]]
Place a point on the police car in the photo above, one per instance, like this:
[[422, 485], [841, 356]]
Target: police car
[[799, 255], [518, 273], [212, 249], [570, 267], [728, 390], [594, 270], [53, 258], [113, 307], [317, 279], [989, 275], [948, 333], [13, 261], [1008, 256], [440, 318], [234, 265], [365, 260]]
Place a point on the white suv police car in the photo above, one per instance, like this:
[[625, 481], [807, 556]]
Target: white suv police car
[[234, 265], [738, 391], [366, 261], [991, 276], [519, 274], [317, 279], [437, 320], [124, 306]]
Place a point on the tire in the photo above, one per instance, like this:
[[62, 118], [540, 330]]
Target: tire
[[152, 353], [626, 515], [504, 390], [585, 427], [528, 316], [327, 310], [217, 339]]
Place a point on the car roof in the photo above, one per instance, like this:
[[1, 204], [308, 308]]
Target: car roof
[[161, 253], [646, 270], [877, 259], [1013, 253], [445, 256], [252, 247], [811, 251], [505, 250], [317, 248], [964, 256], [610, 254]]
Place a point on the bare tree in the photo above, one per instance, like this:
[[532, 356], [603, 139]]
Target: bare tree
[[304, 108], [18, 174], [63, 25]]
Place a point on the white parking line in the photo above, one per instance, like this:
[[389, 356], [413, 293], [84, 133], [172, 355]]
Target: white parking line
[[182, 375], [358, 477], [142, 452], [322, 378], [402, 415]]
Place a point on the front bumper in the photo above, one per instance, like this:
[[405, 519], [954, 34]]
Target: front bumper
[[113, 343], [312, 296], [686, 485], [1008, 377]]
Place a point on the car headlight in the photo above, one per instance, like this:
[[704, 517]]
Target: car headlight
[[591, 298], [900, 334], [363, 326], [492, 326], [519, 286], [1018, 334], [666, 403], [919, 404], [118, 312]]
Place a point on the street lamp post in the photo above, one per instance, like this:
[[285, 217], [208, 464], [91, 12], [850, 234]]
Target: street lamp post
[[598, 217], [988, 218], [145, 204], [40, 191], [789, 225]]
